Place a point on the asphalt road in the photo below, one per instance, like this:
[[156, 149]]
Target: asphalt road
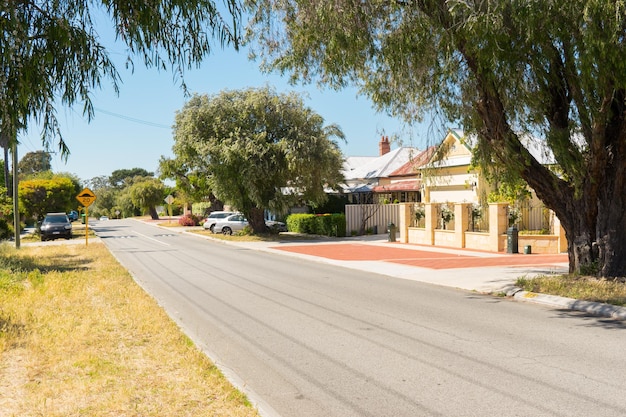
[[303, 338]]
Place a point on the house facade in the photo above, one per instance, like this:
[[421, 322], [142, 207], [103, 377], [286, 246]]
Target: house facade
[[448, 176], [362, 175], [443, 201]]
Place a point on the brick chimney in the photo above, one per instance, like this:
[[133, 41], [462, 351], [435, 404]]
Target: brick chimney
[[384, 146]]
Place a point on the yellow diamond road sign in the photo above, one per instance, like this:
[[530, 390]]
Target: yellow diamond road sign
[[86, 197]]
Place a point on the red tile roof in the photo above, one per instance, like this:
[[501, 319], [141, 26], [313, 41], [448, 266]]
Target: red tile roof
[[410, 168], [405, 185]]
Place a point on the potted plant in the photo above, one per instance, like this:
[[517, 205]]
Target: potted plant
[[446, 216]]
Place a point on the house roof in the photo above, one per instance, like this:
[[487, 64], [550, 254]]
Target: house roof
[[410, 168], [364, 168], [536, 146], [404, 185]]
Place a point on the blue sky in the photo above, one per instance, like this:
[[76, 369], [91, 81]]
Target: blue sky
[[134, 129]]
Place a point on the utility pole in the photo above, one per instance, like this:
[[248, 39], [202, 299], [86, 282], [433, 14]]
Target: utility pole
[[16, 208]]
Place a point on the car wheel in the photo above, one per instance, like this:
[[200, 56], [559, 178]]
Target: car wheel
[[212, 228], [227, 231]]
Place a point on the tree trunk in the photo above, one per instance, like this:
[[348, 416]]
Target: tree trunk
[[153, 213], [256, 220]]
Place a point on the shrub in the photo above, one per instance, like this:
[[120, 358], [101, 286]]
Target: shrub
[[6, 230], [189, 220], [318, 224]]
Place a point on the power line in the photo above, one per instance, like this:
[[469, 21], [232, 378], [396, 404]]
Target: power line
[[132, 119]]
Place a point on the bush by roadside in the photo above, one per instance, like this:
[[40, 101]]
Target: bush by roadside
[[318, 224]]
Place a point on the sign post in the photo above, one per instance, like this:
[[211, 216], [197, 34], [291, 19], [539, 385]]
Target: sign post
[[86, 198], [169, 200]]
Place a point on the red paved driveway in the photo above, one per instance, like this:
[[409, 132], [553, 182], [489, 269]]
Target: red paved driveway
[[414, 257]]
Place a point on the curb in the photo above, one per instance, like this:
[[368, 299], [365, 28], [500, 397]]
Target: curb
[[591, 307]]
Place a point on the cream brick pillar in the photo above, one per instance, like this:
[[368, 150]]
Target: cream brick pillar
[[498, 223], [461, 223], [431, 222], [405, 221], [560, 232]]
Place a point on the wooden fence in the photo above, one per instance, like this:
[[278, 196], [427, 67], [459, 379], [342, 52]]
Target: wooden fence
[[373, 217]]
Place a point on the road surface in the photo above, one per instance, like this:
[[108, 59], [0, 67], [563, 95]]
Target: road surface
[[304, 338]]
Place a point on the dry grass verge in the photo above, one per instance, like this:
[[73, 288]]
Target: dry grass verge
[[578, 287], [78, 337]]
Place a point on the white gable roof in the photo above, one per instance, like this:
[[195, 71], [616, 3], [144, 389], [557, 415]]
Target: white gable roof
[[365, 168]]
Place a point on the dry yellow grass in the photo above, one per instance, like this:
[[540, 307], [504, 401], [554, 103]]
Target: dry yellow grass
[[578, 287], [78, 337]]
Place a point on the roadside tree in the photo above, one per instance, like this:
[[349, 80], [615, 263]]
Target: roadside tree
[[192, 182], [147, 193], [34, 163], [505, 71], [121, 177], [259, 150], [40, 196], [51, 52]]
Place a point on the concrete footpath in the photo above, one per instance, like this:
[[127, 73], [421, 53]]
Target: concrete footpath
[[482, 272]]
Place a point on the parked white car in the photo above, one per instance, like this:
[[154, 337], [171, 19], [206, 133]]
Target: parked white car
[[228, 225], [209, 222]]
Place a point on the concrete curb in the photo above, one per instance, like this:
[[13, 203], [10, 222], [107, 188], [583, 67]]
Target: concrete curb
[[594, 308]]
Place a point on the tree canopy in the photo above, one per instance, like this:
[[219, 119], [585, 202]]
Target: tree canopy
[[41, 196], [52, 54], [258, 149], [34, 163], [517, 74], [146, 193], [121, 177]]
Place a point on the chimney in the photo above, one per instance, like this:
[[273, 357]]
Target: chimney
[[384, 146]]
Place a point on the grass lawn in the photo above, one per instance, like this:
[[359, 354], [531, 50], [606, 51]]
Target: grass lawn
[[78, 337]]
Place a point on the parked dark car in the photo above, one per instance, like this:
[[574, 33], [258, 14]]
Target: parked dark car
[[73, 215], [55, 225]]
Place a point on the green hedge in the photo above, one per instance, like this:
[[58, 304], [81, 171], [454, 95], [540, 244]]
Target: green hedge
[[318, 224]]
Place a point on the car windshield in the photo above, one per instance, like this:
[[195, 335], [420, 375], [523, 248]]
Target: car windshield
[[56, 219]]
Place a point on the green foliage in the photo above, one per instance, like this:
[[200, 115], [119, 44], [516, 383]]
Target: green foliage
[[201, 209], [6, 214], [300, 222], [538, 86], [317, 224], [258, 149], [334, 204], [6, 229], [34, 163], [146, 193], [122, 177], [40, 196], [51, 52]]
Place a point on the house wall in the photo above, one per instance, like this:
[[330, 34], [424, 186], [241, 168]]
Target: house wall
[[446, 194]]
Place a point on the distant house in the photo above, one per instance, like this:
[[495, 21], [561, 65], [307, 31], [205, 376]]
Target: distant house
[[448, 176], [404, 185], [363, 174]]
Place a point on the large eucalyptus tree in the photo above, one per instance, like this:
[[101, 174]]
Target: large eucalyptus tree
[[258, 150], [505, 70]]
